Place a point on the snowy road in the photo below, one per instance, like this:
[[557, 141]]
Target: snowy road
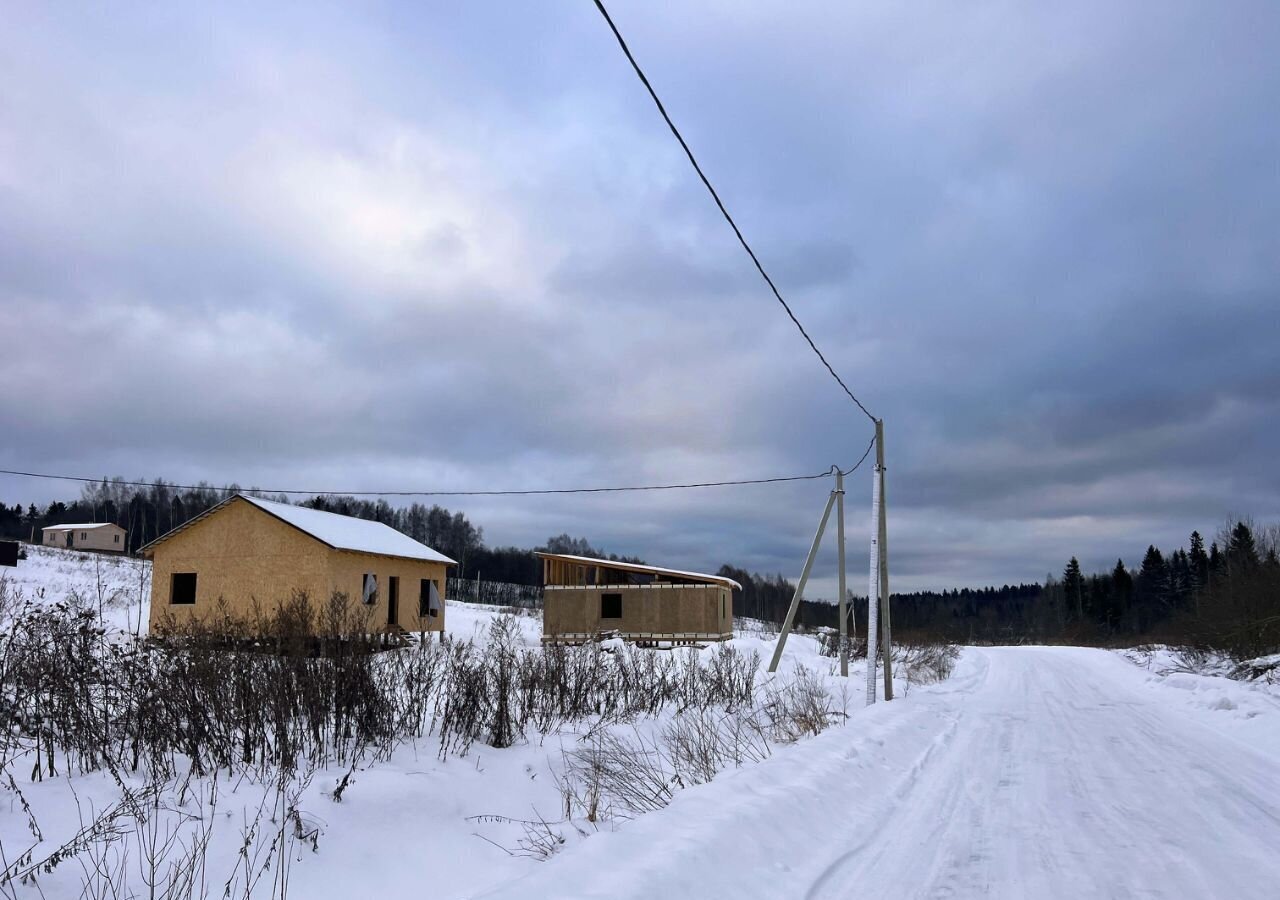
[[1033, 772]]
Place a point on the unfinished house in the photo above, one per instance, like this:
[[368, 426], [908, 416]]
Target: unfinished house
[[242, 559], [102, 537], [585, 599]]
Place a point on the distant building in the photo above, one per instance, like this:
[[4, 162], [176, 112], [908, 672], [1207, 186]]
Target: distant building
[[584, 598], [100, 536], [247, 555]]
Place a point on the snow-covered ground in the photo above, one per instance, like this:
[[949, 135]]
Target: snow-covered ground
[[119, 585], [408, 826], [1031, 772]]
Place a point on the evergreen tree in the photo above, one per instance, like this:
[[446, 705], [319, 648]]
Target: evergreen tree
[[1073, 588], [1199, 562], [1099, 600], [1242, 552], [1121, 593], [1151, 589], [1179, 577], [1052, 617]]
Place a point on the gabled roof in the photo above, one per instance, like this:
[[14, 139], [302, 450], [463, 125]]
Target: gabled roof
[[649, 570], [84, 527], [334, 530]]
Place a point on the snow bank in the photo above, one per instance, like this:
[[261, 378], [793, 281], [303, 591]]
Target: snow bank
[[1201, 684]]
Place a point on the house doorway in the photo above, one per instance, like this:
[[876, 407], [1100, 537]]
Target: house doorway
[[393, 600]]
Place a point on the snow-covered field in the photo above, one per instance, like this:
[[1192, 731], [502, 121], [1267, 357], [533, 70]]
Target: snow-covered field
[[118, 585], [411, 825], [1031, 772]]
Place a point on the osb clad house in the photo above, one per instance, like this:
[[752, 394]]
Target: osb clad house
[[247, 555], [584, 598], [101, 536]]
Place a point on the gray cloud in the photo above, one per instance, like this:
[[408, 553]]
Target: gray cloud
[[456, 248]]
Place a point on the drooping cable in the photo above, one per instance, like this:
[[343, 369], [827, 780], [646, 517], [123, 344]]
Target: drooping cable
[[723, 211], [442, 493]]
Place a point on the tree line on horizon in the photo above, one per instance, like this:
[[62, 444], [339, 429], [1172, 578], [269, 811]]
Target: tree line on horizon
[[1225, 596], [148, 511]]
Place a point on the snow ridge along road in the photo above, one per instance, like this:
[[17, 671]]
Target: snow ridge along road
[[1032, 772]]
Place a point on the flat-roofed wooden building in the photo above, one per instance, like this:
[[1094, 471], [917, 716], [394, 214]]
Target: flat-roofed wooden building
[[585, 598], [248, 556]]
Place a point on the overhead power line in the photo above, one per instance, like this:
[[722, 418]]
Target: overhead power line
[[429, 493], [723, 211], [862, 459]]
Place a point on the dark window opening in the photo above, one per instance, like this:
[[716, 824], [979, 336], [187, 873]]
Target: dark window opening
[[393, 600], [428, 599], [182, 588], [115, 538], [369, 590], [611, 606]]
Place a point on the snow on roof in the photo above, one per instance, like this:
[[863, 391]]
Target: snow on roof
[[348, 532], [84, 527], [636, 567]]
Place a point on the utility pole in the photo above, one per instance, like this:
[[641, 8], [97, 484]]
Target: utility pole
[[873, 588], [804, 579], [882, 531], [878, 583], [844, 619]]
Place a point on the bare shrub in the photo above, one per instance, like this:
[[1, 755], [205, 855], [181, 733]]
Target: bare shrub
[[1264, 669], [695, 746], [541, 840], [925, 663], [623, 775], [702, 742], [829, 644], [274, 695], [611, 775], [799, 708], [730, 677]]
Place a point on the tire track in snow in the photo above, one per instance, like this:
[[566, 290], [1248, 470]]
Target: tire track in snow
[[1034, 772]]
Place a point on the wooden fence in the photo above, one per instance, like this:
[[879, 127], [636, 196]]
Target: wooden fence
[[494, 593]]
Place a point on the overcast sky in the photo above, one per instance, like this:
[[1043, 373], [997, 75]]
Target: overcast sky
[[453, 246]]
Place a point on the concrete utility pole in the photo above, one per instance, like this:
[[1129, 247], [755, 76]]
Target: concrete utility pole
[[873, 589], [878, 583], [804, 579], [844, 619], [882, 529]]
